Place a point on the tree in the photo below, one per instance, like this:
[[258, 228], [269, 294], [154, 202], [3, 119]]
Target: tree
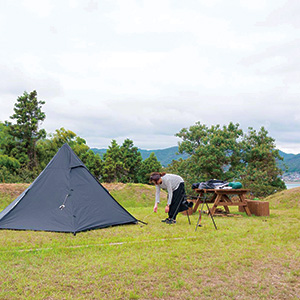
[[225, 153], [47, 148], [9, 167], [4, 137], [260, 173], [25, 132], [91, 160], [94, 163], [113, 164], [149, 165], [187, 169], [131, 159], [215, 152]]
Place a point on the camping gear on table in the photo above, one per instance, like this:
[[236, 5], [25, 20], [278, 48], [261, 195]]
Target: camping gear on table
[[210, 184], [65, 197], [216, 184], [235, 185]]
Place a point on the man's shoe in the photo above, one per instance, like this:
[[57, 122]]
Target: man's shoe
[[165, 220], [170, 221]]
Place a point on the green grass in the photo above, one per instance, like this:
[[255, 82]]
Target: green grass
[[246, 258]]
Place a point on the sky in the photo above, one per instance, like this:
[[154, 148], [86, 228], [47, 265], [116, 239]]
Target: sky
[[143, 70]]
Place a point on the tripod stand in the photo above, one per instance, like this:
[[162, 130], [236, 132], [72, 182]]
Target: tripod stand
[[201, 210]]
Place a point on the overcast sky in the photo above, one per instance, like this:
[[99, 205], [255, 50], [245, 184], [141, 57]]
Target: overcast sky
[[144, 70]]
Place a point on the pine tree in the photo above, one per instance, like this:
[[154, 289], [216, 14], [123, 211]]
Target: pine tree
[[28, 115], [131, 159], [149, 165], [113, 164]]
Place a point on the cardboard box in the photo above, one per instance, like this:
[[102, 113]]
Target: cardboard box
[[257, 208]]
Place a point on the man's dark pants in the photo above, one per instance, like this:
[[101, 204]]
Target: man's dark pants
[[179, 198]]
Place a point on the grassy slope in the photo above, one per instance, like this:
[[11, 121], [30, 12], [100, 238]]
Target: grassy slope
[[246, 258]]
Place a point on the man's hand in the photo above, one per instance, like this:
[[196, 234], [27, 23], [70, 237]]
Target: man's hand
[[167, 208], [155, 208]]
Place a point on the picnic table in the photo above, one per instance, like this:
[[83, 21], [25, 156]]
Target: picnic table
[[222, 197]]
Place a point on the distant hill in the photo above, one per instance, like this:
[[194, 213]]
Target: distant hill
[[99, 151], [292, 161], [164, 156]]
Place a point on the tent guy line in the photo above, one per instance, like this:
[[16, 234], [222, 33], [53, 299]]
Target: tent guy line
[[101, 245]]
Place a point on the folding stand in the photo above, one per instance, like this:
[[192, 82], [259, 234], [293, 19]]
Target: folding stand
[[201, 210], [187, 213]]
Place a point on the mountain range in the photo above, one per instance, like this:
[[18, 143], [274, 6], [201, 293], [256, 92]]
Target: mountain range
[[291, 161], [165, 157]]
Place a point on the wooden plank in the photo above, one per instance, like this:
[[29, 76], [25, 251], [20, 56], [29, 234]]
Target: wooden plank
[[218, 198], [200, 200], [231, 191], [247, 210], [232, 204], [226, 209], [224, 191], [205, 190]]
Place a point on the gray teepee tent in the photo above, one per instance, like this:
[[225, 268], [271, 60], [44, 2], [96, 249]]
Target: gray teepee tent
[[64, 197]]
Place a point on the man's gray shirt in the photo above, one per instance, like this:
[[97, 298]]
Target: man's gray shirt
[[170, 183]]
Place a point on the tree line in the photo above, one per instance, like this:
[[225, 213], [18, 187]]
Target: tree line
[[225, 153], [25, 149]]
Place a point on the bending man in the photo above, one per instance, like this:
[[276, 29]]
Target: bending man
[[174, 185]]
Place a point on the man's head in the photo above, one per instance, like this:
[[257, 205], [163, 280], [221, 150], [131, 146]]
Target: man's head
[[155, 177]]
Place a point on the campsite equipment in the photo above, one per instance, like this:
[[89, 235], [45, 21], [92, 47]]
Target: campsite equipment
[[210, 184], [204, 201], [65, 197], [216, 184], [235, 185]]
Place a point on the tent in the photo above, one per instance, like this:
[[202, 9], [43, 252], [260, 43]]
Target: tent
[[65, 197]]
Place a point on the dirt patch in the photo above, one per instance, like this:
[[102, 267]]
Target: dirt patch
[[13, 189], [114, 186], [18, 188]]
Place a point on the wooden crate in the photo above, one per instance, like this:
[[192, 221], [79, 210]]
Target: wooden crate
[[257, 208]]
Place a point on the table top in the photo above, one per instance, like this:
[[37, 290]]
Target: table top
[[223, 191]]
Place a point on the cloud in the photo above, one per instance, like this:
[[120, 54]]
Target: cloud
[[16, 79], [91, 6], [286, 13], [146, 69], [40, 8], [13, 80]]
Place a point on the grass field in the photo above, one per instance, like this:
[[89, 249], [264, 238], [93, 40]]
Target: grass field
[[246, 258]]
